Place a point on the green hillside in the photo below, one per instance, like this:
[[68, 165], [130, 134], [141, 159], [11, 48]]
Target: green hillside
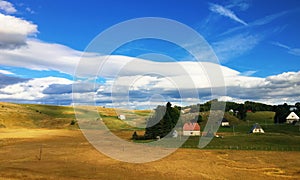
[[262, 117], [276, 137], [35, 116], [54, 117]]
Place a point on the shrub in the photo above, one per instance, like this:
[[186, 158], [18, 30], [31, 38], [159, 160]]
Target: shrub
[[135, 136], [73, 122]]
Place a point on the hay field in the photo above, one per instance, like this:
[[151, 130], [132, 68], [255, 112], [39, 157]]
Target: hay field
[[67, 155]]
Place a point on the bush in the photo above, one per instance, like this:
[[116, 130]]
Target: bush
[[73, 122], [135, 136]]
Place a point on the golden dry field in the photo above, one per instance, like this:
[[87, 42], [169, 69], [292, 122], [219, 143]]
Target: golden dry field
[[67, 155]]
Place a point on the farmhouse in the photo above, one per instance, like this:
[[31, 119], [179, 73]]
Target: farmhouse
[[122, 117], [256, 128], [184, 111], [225, 122], [191, 129], [175, 134], [292, 117]]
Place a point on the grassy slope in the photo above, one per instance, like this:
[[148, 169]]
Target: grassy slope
[[35, 116], [57, 117], [262, 117], [276, 137]]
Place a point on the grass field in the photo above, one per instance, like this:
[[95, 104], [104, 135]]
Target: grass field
[[67, 155], [39, 142], [261, 117]]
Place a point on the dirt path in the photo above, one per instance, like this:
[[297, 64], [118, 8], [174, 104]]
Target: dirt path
[[67, 155]]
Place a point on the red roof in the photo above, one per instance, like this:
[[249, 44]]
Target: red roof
[[191, 127]]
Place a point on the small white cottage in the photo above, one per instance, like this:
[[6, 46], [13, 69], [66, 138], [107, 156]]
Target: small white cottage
[[122, 117], [225, 123], [191, 129], [292, 117], [256, 128], [175, 134]]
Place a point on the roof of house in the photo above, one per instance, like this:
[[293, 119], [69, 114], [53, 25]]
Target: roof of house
[[191, 127], [255, 126], [224, 120], [292, 116]]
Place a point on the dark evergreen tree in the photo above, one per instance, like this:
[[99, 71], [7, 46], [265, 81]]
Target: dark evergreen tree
[[162, 122], [135, 136], [282, 111], [199, 119]]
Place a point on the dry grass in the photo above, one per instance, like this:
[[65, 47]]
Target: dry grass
[[34, 116], [67, 155]]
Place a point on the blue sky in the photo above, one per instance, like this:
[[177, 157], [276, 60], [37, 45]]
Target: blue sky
[[258, 40], [76, 24]]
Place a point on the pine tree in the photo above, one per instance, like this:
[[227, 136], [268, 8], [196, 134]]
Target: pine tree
[[162, 122]]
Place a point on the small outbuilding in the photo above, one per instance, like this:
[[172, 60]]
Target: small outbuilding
[[256, 128], [292, 118], [225, 123], [191, 129], [175, 134], [122, 117]]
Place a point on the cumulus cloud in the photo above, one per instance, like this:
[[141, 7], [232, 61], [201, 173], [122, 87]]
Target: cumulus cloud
[[130, 81], [140, 80], [30, 90], [14, 31], [223, 11], [7, 7], [147, 82], [6, 80]]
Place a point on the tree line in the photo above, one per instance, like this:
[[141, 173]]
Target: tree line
[[165, 117], [241, 109]]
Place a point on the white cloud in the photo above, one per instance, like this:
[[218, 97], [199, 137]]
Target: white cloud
[[137, 80], [7, 7], [293, 51], [29, 10], [240, 4], [169, 77], [259, 22], [14, 31], [226, 12], [38, 55], [30, 90], [235, 46], [6, 72]]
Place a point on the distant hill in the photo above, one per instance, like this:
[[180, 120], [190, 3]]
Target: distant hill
[[262, 117], [231, 118], [59, 117], [35, 116]]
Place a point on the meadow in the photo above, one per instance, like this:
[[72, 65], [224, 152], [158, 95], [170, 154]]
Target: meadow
[[40, 142]]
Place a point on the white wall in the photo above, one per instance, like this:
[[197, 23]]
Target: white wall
[[191, 133]]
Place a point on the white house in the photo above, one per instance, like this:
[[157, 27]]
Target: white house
[[122, 117], [184, 111], [175, 134], [225, 123], [191, 129], [256, 128], [291, 118]]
